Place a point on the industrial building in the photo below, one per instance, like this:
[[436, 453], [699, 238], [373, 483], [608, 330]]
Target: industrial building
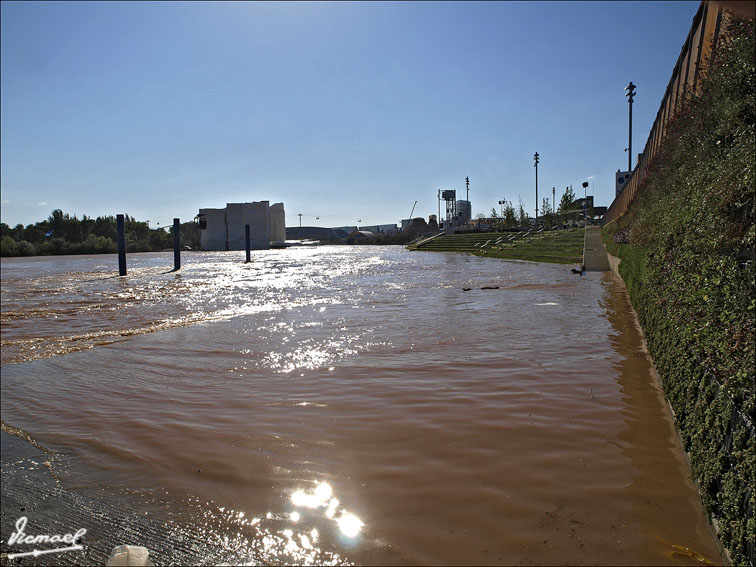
[[223, 229], [464, 212]]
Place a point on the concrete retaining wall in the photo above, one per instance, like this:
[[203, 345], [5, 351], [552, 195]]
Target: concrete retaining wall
[[257, 216], [214, 236], [225, 227], [277, 222]]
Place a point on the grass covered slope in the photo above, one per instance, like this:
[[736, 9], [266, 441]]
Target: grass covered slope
[[687, 249], [559, 246]]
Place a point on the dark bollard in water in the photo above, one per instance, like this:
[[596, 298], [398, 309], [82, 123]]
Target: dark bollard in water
[[247, 244], [121, 231], [176, 245]]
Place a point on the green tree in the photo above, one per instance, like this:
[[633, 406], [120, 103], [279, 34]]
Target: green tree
[[546, 215], [522, 215], [8, 246], [568, 197], [496, 220], [56, 218], [545, 207], [510, 215], [105, 226], [34, 233]]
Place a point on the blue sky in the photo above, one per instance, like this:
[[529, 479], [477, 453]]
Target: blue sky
[[344, 111]]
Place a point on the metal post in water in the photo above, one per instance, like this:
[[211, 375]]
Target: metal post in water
[[247, 244], [176, 245], [121, 231]]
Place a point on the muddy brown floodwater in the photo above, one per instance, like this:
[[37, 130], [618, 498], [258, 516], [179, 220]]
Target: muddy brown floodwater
[[353, 404]]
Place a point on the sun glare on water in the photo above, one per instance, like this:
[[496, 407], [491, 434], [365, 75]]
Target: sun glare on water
[[322, 497]]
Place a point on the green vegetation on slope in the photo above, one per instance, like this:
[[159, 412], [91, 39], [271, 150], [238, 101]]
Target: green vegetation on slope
[[687, 249], [561, 247]]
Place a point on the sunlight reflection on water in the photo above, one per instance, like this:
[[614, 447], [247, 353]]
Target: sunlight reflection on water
[[352, 404]]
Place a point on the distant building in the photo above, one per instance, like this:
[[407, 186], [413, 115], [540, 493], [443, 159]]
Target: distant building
[[620, 179], [481, 224], [316, 233], [359, 235], [387, 229], [578, 203], [464, 212], [224, 228], [347, 229]]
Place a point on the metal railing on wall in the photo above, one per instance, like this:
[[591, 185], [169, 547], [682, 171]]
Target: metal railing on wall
[[692, 64]]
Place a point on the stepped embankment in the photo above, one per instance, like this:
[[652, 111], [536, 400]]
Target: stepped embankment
[[554, 246]]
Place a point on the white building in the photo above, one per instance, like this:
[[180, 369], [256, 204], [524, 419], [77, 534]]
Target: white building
[[224, 228]]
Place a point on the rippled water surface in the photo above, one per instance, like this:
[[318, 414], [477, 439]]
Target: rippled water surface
[[354, 404]]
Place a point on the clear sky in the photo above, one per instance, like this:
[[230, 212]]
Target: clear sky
[[343, 111]]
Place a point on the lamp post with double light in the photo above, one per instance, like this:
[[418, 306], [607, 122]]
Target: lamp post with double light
[[536, 159], [630, 93], [585, 198]]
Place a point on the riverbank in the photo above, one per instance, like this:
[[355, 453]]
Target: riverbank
[[556, 247], [686, 247]]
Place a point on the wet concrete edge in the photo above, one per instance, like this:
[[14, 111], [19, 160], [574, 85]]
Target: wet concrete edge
[[614, 263]]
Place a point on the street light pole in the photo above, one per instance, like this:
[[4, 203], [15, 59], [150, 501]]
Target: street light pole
[[585, 198], [630, 93], [536, 159]]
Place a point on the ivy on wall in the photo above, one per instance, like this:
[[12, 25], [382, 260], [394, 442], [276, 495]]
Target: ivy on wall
[[687, 249]]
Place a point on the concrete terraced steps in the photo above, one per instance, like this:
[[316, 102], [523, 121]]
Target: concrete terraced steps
[[594, 256], [562, 246]]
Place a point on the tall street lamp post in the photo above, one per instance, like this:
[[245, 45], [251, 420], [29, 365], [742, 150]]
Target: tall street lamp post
[[585, 198], [536, 159], [630, 93]]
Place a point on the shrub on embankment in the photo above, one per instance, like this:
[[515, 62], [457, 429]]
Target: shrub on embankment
[[687, 250]]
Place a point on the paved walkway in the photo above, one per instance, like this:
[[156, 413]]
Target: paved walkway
[[594, 253]]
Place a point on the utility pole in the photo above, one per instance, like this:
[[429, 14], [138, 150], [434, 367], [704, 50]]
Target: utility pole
[[553, 200], [300, 220], [585, 198], [536, 159], [630, 93]]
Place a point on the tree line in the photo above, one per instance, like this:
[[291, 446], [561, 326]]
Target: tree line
[[566, 213], [62, 233]]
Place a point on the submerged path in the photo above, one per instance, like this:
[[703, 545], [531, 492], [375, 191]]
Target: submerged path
[[342, 405], [594, 253]]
